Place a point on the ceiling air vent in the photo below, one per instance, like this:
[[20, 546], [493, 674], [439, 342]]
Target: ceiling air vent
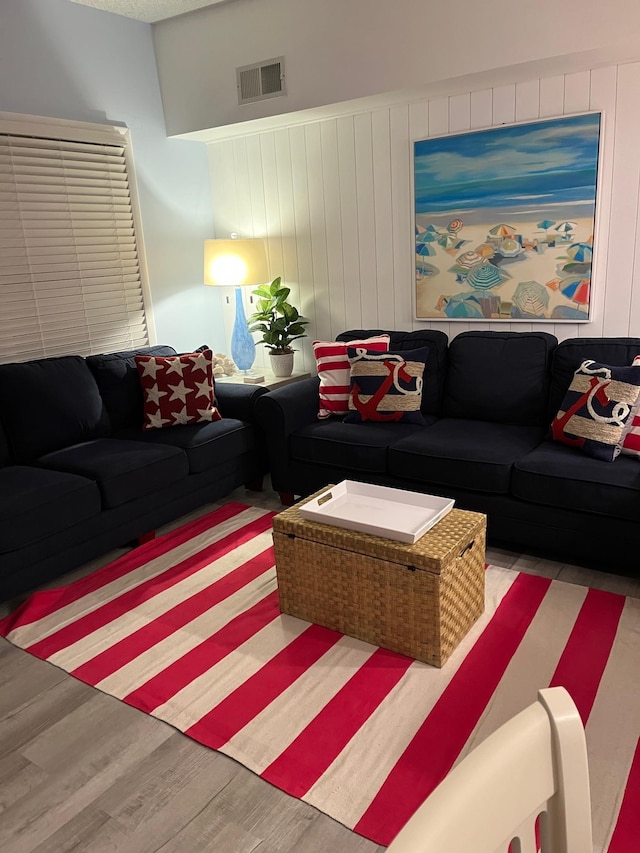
[[261, 80]]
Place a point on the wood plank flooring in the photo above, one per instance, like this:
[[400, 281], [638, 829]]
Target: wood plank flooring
[[81, 771]]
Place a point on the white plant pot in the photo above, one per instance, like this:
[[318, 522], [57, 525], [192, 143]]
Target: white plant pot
[[281, 363]]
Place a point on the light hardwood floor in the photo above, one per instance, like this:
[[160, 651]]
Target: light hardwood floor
[[81, 771]]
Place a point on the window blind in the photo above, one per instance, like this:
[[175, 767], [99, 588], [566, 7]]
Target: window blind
[[70, 276]]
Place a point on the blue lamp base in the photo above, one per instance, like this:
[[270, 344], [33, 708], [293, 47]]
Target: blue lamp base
[[243, 348]]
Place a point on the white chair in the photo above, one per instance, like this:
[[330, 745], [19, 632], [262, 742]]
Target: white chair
[[534, 765]]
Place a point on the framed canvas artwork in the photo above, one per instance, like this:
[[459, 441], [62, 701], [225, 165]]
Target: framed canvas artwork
[[504, 221]]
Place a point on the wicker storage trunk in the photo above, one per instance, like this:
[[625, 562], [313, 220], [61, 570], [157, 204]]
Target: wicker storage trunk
[[419, 600]]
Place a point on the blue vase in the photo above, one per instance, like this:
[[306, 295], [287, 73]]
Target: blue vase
[[243, 348]]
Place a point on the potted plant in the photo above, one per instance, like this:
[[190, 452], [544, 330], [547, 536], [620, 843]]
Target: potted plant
[[279, 323]]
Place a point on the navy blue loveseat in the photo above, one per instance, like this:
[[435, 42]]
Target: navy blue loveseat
[[488, 401], [79, 476]]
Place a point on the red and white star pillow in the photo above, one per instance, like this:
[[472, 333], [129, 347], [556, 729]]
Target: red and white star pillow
[[177, 389]]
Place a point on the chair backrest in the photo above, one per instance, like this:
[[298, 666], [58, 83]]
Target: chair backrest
[[532, 770]]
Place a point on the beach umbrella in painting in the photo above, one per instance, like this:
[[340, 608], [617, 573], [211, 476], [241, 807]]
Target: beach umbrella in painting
[[455, 225], [425, 249], [573, 268], [565, 228], [502, 230], [485, 250], [531, 298], [427, 236], [509, 248], [424, 270], [450, 242], [545, 224], [580, 252], [463, 305], [576, 289], [485, 276], [468, 259]]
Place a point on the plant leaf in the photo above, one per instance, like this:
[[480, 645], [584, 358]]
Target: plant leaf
[[262, 291]]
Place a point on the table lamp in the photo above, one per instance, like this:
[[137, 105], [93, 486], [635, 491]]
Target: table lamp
[[237, 263]]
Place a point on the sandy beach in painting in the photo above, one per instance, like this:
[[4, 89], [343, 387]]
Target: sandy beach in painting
[[540, 255]]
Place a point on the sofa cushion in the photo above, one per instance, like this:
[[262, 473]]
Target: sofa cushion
[[333, 372], [35, 504], [206, 445], [465, 454], [570, 354], [434, 375], [5, 456], [123, 470], [386, 386], [596, 408], [48, 404], [177, 390], [117, 378], [353, 447], [557, 476], [502, 377]]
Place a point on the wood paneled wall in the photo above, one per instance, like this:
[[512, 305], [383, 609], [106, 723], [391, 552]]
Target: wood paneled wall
[[333, 198]]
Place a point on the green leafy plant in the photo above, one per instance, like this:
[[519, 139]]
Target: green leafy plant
[[279, 322]]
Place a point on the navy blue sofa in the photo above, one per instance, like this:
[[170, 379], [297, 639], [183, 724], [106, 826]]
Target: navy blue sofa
[[79, 476], [488, 401]]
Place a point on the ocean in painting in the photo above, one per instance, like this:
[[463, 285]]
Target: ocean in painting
[[504, 222]]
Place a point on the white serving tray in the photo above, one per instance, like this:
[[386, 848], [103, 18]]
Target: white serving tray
[[380, 510]]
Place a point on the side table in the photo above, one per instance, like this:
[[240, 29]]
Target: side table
[[270, 381]]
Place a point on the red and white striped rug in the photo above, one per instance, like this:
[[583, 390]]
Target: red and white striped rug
[[187, 628]]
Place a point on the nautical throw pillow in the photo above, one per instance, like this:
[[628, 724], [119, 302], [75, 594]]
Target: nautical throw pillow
[[333, 371], [386, 386], [596, 408], [631, 435], [177, 389]]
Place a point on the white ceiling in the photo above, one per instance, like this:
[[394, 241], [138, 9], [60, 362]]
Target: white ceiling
[[149, 10]]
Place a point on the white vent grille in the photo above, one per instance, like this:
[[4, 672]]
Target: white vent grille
[[261, 80]]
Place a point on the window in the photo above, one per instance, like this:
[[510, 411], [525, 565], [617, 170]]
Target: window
[[70, 264]]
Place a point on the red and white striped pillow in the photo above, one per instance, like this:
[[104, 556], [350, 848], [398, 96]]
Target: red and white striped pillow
[[334, 371], [631, 436]]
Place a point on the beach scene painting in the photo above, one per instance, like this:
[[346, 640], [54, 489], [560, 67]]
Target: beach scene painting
[[504, 221]]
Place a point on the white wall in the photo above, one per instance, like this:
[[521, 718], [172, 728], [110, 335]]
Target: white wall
[[333, 198], [64, 60], [338, 50]]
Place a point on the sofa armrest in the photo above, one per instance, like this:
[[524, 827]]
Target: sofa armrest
[[280, 413], [237, 400], [290, 407]]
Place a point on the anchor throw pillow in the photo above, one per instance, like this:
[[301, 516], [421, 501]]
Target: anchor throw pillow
[[386, 386], [177, 389], [596, 409], [631, 435]]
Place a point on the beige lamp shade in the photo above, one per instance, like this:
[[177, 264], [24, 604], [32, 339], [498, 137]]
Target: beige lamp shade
[[234, 263]]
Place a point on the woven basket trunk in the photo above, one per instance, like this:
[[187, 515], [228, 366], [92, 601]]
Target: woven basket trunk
[[419, 600]]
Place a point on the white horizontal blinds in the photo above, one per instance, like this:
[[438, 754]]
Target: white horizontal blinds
[[70, 278]]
